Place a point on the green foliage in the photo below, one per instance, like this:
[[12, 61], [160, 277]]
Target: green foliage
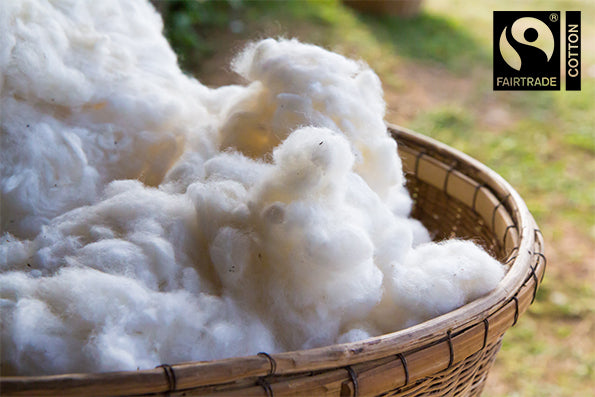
[[189, 23]]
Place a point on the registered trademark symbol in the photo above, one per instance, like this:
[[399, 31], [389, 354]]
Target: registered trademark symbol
[[553, 17]]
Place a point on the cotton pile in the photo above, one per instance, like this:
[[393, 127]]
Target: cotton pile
[[148, 219]]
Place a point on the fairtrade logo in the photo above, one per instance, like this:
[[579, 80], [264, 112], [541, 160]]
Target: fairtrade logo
[[526, 50], [529, 31]]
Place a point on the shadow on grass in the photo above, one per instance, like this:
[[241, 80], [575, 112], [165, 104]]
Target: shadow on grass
[[430, 38]]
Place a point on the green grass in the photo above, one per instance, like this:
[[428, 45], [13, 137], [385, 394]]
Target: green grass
[[429, 38], [543, 144], [551, 166]]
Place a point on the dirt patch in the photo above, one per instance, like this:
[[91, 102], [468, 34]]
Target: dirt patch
[[423, 87], [428, 86], [570, 252]]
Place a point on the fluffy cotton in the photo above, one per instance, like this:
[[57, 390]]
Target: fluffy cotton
[[149, 219]]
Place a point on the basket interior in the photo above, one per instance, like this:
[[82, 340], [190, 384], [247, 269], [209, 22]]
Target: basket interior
[[453, 202], [446, 217]]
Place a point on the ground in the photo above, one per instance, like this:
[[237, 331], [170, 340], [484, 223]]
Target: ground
[[436, 72]]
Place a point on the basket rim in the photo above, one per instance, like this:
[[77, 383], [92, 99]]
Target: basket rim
[[340, 355]]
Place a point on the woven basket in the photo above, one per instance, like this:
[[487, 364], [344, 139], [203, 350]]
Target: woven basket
[[447, 356]]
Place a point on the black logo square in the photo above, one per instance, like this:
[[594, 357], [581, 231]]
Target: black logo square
[[526, 50]]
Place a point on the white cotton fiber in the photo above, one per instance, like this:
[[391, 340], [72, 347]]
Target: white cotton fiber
[[148, 219], [437, 278], [84, 319], [91, 93]]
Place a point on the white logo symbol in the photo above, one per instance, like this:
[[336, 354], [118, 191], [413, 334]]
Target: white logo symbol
[[544, 40]]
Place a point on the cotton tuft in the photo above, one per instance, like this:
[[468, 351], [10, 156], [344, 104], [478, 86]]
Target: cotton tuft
[[148, 219]]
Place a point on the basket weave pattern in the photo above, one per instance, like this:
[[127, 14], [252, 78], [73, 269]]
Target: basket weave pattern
[[455, 196]]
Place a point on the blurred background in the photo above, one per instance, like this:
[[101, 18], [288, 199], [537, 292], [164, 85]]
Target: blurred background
[[434, 58]]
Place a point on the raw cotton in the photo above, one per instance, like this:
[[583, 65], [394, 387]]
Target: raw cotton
[[147, 218]]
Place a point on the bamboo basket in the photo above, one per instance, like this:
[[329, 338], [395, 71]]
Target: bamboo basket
[[449, 355]]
